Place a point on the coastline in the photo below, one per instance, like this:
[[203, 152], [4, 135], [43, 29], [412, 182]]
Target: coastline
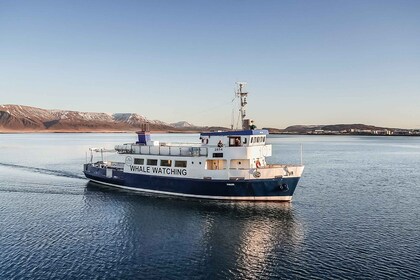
[[90, 131], [186, 132]]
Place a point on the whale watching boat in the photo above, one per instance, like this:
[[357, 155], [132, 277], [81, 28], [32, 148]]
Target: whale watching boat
[[223, 165]]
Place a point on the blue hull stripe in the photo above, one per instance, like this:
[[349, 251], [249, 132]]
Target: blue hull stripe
[[239, 198]]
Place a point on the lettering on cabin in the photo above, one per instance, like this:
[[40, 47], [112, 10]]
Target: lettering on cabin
[[158, 170]]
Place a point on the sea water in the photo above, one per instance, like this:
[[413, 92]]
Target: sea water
[[355, 214]]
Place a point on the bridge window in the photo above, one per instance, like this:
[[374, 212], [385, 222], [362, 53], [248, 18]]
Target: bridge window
[[165, 162], [139, 161], [152, 162], [180, 163], [234, 141], [217, 155]]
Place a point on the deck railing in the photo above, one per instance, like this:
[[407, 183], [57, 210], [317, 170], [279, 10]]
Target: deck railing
[[162, 150]]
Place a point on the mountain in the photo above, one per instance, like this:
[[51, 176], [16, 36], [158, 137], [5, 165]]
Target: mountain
[[26, 118], [134, 119], [183, 124]]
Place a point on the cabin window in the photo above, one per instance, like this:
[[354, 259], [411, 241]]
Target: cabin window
[[165, 162], [180, 163], [152, 162], [234, 141], [217, 155], [139, 161], [215, 164]]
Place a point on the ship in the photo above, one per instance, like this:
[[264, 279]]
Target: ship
[[222, 165]]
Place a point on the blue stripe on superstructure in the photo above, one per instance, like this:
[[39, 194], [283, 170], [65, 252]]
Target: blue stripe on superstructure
[[236, 133]]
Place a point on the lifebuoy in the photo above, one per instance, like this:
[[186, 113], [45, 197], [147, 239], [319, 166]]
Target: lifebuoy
[[257, 174], [258, 164]]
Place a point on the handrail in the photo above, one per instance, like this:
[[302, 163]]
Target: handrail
[[162, 150]]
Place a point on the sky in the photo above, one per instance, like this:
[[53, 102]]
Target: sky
[[305, 62]]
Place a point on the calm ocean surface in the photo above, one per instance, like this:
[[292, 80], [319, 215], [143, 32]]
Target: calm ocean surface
[[355, 214]]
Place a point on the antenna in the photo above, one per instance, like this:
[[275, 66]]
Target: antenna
[[243, 96], [233, 111]]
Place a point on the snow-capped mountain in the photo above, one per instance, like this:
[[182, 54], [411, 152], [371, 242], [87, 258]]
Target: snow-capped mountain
[[183, 124], [135, 119], [18, 117]]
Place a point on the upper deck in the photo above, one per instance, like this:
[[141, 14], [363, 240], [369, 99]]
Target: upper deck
[[234, 138], [210, 142]]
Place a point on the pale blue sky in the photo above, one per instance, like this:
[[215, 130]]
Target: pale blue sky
[[306, 62]]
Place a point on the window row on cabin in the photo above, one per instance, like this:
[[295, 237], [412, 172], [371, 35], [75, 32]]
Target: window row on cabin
[[163, 162], [258, 139], [236, 141]]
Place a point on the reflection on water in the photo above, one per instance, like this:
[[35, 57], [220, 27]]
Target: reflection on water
[[238, 239]]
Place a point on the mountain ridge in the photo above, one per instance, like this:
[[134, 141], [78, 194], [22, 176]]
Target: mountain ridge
[[21, 118]]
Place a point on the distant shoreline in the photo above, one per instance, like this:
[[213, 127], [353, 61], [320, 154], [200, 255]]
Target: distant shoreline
[[90, 131], [177, 132], [376, 135]]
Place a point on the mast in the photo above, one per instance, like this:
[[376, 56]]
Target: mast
[[243, 96]]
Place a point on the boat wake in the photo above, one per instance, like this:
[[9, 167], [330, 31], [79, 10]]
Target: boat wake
[[58, 173]]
